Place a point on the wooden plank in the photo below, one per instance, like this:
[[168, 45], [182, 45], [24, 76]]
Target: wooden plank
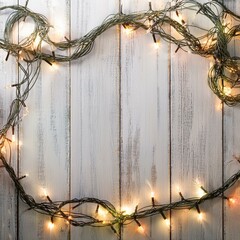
[[231, 146], [196, 142], [8, 197], [95, 113], [45, 153], [145, 124]]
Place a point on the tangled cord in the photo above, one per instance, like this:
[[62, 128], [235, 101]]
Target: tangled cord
[[212, 43]]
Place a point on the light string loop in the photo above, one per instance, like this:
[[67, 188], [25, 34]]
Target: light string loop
[[29, 56]]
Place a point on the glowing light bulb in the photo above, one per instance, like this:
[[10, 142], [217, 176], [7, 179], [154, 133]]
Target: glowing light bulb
[[227, 91], [141, 229], [200, 217], [167, 222], [128, 31], [13, 138], [156, 45], [43, 192], [200, 192], [126, 210], [152, 194], [232, 200], [50, 225], [54, 66]]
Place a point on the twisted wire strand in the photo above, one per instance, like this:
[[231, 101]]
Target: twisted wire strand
[[212, 43]]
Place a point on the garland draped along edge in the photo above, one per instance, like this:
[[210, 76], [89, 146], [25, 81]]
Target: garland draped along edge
[[212, 43]]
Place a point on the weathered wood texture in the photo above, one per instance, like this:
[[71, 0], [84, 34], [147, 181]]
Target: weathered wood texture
[[231, 145], [118, 124], [196, 141], [8, 198]]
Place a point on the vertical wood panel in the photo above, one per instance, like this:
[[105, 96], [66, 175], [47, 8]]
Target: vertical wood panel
[[196, 143], [45, 133], [145, 124], [8, 197], [232, 147], [95, 113]]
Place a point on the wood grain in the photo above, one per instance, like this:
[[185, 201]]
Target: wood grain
[[125, 120], [196, 141], [95, 114], [145, 124], [45, 134], [231, 147], [8, 196]]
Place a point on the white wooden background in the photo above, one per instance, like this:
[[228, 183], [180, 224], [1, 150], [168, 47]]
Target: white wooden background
[[123, 121]]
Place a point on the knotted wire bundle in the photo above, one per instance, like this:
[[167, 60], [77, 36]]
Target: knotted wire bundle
[[212, 43]]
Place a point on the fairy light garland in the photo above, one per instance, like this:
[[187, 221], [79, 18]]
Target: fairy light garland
[[223, 78]]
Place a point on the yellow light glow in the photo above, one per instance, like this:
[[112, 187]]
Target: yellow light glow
[[227, 91], [50, 225], [126, 210], [232, 200], [128, 30], [167, 222], [178, 189], [13, 138], [141, 229], [43, 192], [152, 194], [54, 66], [200, 217], [102, 214], [157, 45], [200, 192]]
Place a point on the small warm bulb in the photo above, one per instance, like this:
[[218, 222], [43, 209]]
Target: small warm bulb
[[200, 216], [178, 189], [27, 175], [126, 210], [156, 45], [152, 194], [200, 192], [13, 138], [141, 229], [50, 225], [128, 30], [44, 192], [54, 67], [227, 91], [232, 200], [167, 222]]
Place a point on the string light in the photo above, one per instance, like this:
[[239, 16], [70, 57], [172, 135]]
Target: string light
[[167, 222], [227, 91], [30, 70], [50, 225], [200, 216], [232, 200]]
